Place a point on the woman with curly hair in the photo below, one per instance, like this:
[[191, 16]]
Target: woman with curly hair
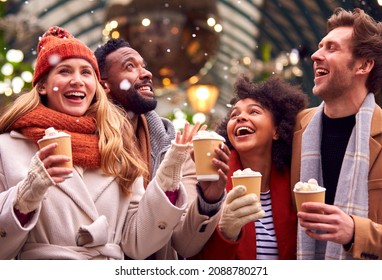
[[259, 130]]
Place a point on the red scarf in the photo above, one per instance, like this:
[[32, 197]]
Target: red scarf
[[82, 129]]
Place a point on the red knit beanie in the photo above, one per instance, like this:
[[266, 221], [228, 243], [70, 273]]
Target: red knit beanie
[[56, 45]]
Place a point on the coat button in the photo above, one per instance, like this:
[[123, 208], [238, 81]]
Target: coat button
[[162, 225], [2, 233]]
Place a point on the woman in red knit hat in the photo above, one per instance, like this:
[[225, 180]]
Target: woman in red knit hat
[[259, 130], [102, 210]]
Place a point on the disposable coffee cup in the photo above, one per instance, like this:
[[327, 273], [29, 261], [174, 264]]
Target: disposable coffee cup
[[251, 182], [204, 144], [64, 145], [309, 196]]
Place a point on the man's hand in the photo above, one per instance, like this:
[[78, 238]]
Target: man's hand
[[333, 224]]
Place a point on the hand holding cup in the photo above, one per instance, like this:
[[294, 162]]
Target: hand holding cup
[[63, 147]]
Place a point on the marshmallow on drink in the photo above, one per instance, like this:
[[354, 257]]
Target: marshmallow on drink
[[310, 186], [249, 178], [308, 192], [247, 172]]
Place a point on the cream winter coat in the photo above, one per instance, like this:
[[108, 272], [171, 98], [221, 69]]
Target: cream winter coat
[[88, 217]]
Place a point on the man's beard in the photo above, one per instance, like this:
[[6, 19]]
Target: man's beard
[[137, 104], [339, 83]]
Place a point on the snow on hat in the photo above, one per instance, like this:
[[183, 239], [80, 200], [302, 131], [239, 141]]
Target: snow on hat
[[56, 45]]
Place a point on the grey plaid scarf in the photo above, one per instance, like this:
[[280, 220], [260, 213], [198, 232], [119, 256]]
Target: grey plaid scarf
[[352, 188]]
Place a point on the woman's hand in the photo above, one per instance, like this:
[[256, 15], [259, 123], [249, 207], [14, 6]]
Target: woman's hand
[[185, 137], [32, 189], [239, 209], [169, 173]]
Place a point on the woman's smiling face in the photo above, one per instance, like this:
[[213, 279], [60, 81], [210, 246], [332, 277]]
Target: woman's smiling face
[[251, 127], [70, 86]]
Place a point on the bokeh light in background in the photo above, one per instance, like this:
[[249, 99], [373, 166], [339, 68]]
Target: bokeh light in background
[[15, 75], [244, 30], [176, 38]]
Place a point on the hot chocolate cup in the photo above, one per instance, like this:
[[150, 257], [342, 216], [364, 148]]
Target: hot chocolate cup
[[251, 182], [64, 147], [204, 152], [309, 196]]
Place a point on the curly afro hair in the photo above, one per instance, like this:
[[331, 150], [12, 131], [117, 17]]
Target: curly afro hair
[[283, 100]]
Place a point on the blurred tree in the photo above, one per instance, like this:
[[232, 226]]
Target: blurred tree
[[8, 91]]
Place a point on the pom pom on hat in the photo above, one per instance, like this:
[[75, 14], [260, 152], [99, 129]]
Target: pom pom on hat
[[56, 45]]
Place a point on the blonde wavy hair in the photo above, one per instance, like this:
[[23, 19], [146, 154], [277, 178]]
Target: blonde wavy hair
[[120, 156]]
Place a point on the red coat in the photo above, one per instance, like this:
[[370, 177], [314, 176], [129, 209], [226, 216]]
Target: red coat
[[284, 219]]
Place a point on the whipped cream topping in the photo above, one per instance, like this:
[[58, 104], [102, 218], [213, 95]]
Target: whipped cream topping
[[207, 134], [51, 132]]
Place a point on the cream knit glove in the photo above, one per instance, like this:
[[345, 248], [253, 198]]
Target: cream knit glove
[[169, 173], [239, 209], [32, 189]]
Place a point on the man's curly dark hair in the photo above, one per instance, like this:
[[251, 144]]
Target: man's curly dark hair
[[283, 100], [101, 52]]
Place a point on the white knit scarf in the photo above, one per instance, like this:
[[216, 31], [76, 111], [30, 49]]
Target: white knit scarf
[[352, 188]]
